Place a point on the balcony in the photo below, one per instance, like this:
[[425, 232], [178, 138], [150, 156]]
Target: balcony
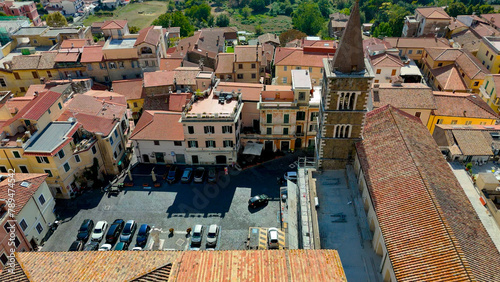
[[483, 93], [84, 144]]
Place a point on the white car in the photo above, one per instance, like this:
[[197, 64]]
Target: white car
[[99, 231], [105, 247], [136, 249], [272, 238], [212, 234], [291, 175]]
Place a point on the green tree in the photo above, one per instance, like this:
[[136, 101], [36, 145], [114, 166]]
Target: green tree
[[258, 5], [171, 6], [133, 29], [486, 9], [201, 12], [290, 35], [222, 20], [307, 18], [218, 3], [382, 30], [324, 8], [246, 12], [175, 19], [456, 8], [258, 29], [56, 20]]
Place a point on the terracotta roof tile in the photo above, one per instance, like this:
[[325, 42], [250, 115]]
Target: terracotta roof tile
[[109, 97], [462, 105], [467, 40], [91, 123], [186, 75], [91, 54], [148, 35], [47, 60], [158, 78], [38, 106], [473, 142], [23, 62], [114, 24], [269, 37], [386, 60], [87, 104], [177, 102], [433, 13], [248, 53], [74, 43], [449, 78], [16, 104], [297, 57], [482, 30], [442, 239], [454, 24], [493, 18], [131, 88], [225, 63], [406, 96], [249, 91], [420, 42], [64, 56], [22, 194], [170, 64], [151, 126]]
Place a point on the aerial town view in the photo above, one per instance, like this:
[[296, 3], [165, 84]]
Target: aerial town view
[[249, 140]]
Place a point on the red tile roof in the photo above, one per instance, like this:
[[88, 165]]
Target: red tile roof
[[449, 78], [92, 54], [249, 91], [406, 96], [91, 123], [420, 42], [131, 88], [148, 35], [462, 105], [225, 63], [109, 97], [38, 106], [151, 126], [22, 194], [177, 102], [158, 78], [75, 43], [386, 60], [433, 13], [64, 56], [114, 24], [430, 228], [16, 104], [81, 103], [170, 64], [286, 56]]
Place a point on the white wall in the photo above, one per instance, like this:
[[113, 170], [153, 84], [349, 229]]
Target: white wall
[[147, 147]]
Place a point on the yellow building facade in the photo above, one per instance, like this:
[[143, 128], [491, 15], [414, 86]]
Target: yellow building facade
[[489, 53], [488, 92]]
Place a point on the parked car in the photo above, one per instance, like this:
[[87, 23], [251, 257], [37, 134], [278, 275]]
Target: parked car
[[121, 246], [136, 249], [142, 235], [197, 235], [114, 231], [213, 233], [212, 175], [272, 238], [258, 201], [85, 229], [199, 174], [291, 175], [172, 174], [366, 33], [92, 246], [105, 247], [99, 231], [128, 231], [76, 246], [187, 175]]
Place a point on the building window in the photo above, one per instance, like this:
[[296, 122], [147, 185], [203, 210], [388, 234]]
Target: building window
[[190, 130], [23, 224], [17, 242], [228, 143], [22, 89], [177, 143], [16, 154], [41, 199], [468, 122], [285, 130], [410, 52], [112, 65], [376, 81], [66, 167], [111, 141], [439, 121], [346, 101], [49, 74], [491, 57], [119, 148], [4, 259], [210, 143], [269, 118], [61, 154], [269, 130], [313, 127], [2, 82], [48, 172], [314, 115], [301, 115], [286, 118], [454, 122], [192, 144], [487, 52], [476, 83], [94, 150], [254, 75], [227, 129], [156, 142], [42, 160], [417, 114], [240, 76], [115, 155], [16, 75], [379, 71], [285, 79], [89, 67], [3, 169], [419, 51], [253, 66], [240, 66], [59, 105], [209, 129], [35, 74], [342, 131], [39, 228], [23, 169], [135, 104], [77, 158]]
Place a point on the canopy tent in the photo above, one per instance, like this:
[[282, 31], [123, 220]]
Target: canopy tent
[[253, 149]]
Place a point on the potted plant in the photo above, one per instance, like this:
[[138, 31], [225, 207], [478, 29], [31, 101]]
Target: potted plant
[[468, 166]]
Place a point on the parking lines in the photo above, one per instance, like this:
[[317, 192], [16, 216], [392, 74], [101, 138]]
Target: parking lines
[[263, 238]]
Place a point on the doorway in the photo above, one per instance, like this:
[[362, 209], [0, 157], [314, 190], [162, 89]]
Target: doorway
[[285, 146], [298, 143], [220, 160], [160, 158], [194, 159], [145, 158], [269, 146]]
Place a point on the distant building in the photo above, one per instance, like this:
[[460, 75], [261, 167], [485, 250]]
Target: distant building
[[426, 21], [337, 24], [65, 7], [25, 8], [489, 91]]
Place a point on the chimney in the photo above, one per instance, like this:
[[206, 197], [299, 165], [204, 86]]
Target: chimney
[[206, 54], [72, 45], [110, 97], [465, 113], [35, 94], [195, 45], [218, 38], [275, 36]]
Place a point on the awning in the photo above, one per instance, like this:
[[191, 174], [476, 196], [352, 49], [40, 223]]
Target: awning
[[253, 149]]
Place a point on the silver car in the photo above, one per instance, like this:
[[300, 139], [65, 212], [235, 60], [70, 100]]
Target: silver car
[[197, 235], [213, 233]]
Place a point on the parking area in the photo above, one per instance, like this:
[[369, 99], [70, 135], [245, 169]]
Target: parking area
[[181, 206]]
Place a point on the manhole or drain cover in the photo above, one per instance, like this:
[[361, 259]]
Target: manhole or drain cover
[[179, 242], [107, 207]]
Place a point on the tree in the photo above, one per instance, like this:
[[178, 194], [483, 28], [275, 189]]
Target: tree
[[382, 30], [258, 5], [486, 9], [218, 3], [222, 20], [324, 8], [133, 29], [201, 12], [175, 19], [56, 20], [258, 29], [246, 12], [456, 8], [171, 6], [290, 35], [307, 18]]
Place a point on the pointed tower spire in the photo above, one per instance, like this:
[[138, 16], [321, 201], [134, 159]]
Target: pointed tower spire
[[349, 56]]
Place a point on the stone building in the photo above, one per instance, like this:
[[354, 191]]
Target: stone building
[[346, 84]]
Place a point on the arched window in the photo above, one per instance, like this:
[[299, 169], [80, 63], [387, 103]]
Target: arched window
[[146, 50], [346, 101], [342, 131]]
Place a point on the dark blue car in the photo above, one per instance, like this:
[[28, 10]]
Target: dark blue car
[[143, 234]]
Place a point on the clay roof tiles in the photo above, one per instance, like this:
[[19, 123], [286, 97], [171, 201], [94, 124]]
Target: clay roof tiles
[[406, 96], [114, 24], [130, 88], [433, 13], [462, 105], [22, 194], [159, 125]]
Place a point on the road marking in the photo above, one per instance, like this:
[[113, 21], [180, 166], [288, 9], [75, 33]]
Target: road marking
[[162, 241], [263, 238], [179, 242]]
